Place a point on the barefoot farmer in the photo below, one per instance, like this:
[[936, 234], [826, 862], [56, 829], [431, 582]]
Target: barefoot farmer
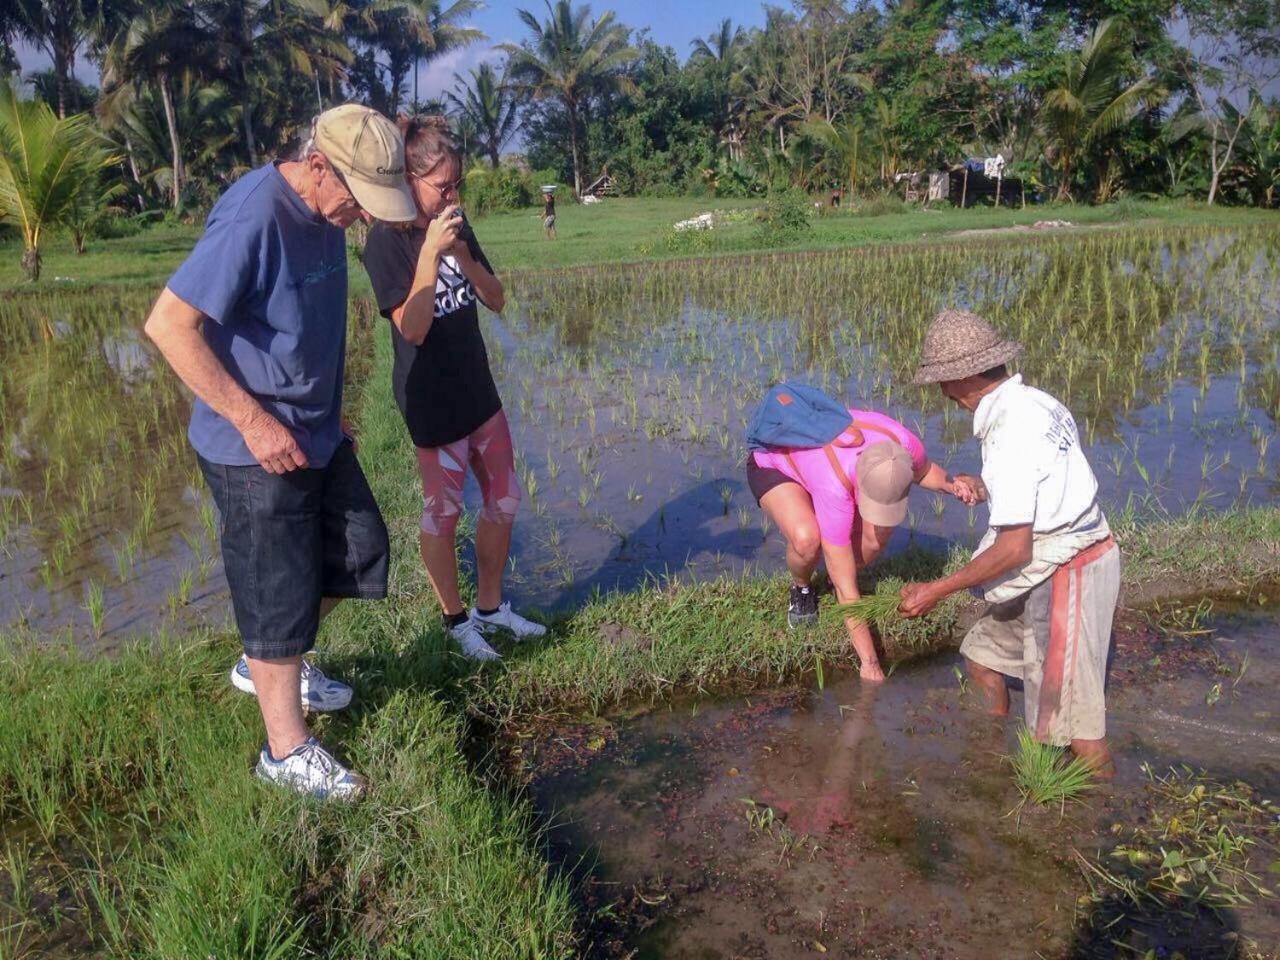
[[427, 279], [1047, 566], [254, 322], [834, 492]]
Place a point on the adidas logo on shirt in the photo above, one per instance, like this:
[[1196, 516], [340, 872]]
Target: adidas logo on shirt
[[453, 289]]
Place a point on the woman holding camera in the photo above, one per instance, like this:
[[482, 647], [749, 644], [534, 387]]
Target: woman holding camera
[[426, 280]]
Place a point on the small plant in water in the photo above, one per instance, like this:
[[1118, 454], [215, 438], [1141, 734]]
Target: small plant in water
[[1044, 776], [93, 605]]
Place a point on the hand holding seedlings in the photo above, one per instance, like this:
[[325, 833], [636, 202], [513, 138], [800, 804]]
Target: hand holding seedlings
[[919, 598]]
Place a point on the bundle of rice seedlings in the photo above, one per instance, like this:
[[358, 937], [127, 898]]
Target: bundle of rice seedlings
[[874, 608], [1042, 774]]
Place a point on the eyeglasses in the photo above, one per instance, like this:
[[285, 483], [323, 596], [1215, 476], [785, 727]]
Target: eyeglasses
[[448, 190], [337, 174]]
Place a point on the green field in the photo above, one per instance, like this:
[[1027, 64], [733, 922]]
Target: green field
[[620, 230], [138, 831]]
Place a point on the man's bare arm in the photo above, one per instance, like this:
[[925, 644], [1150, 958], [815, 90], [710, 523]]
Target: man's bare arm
[[174, 326], [1011, 549]]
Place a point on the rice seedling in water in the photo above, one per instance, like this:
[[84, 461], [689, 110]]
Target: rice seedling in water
[[93, 606], [1044, 776]]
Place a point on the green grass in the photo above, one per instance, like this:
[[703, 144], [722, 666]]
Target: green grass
[[135, 769], [632, 229], [621, 230], [149, 257]]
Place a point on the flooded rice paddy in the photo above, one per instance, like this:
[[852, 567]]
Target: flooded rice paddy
[[882, 822], [627, 389]]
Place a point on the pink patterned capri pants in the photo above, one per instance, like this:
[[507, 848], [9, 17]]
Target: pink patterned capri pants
[[443, 469]]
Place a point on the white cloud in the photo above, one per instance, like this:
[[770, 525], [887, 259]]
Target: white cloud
[[436, 76]]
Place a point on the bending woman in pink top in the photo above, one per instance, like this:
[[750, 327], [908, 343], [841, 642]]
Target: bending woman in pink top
[[842, 502]]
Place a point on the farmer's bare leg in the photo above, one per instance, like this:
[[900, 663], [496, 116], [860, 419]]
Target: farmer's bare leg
[[1097, 755], [991, 685]]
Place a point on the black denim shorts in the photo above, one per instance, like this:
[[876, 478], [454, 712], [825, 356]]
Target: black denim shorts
[[290, 540]]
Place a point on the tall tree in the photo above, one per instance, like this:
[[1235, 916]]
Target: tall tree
[[486, 109], [160, 47], [1233, 53], [718, 56], [569, 58], [1092, 98], [254, 40], [59, 28], [398, 35]]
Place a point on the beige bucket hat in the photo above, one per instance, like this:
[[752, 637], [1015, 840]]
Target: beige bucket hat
[[959, 344], [884, 479], [367, 149]]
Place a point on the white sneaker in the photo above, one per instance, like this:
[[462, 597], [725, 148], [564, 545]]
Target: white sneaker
[[504, 618], [320, 693], [311, 769], [472, 642]]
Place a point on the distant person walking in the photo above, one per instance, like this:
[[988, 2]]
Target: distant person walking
[[549, 215], [839, 501], [255, 322], [1048, 566], [427, 279]]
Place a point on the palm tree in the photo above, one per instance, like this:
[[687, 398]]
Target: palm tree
[[1091, 101], [162, 45], [719, 55], [569, 58], [94, 197], [843, 146], [58, 27], [486, 110], [44, 160], [251, 38], [406, 32], [207, 120]]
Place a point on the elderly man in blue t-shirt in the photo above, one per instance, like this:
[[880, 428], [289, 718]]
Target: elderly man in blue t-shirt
[[254, 322]]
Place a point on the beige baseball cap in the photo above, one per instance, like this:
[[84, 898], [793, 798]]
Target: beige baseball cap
[[367, 149], [884, 479]]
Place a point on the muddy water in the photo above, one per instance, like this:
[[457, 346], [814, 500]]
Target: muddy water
[[628, 392], [865, 822], [105, 532]]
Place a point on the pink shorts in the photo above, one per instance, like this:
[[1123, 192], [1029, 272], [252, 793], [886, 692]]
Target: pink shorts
[[443, 469]]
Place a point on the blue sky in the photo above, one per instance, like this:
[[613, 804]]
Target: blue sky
[[671, 22]]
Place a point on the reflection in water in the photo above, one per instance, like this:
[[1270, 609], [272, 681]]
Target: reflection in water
[[105, 527], [879, 821], [628, 388], [103, 533]]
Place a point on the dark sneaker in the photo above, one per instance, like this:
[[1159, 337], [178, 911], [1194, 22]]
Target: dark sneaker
[[803, 608]]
